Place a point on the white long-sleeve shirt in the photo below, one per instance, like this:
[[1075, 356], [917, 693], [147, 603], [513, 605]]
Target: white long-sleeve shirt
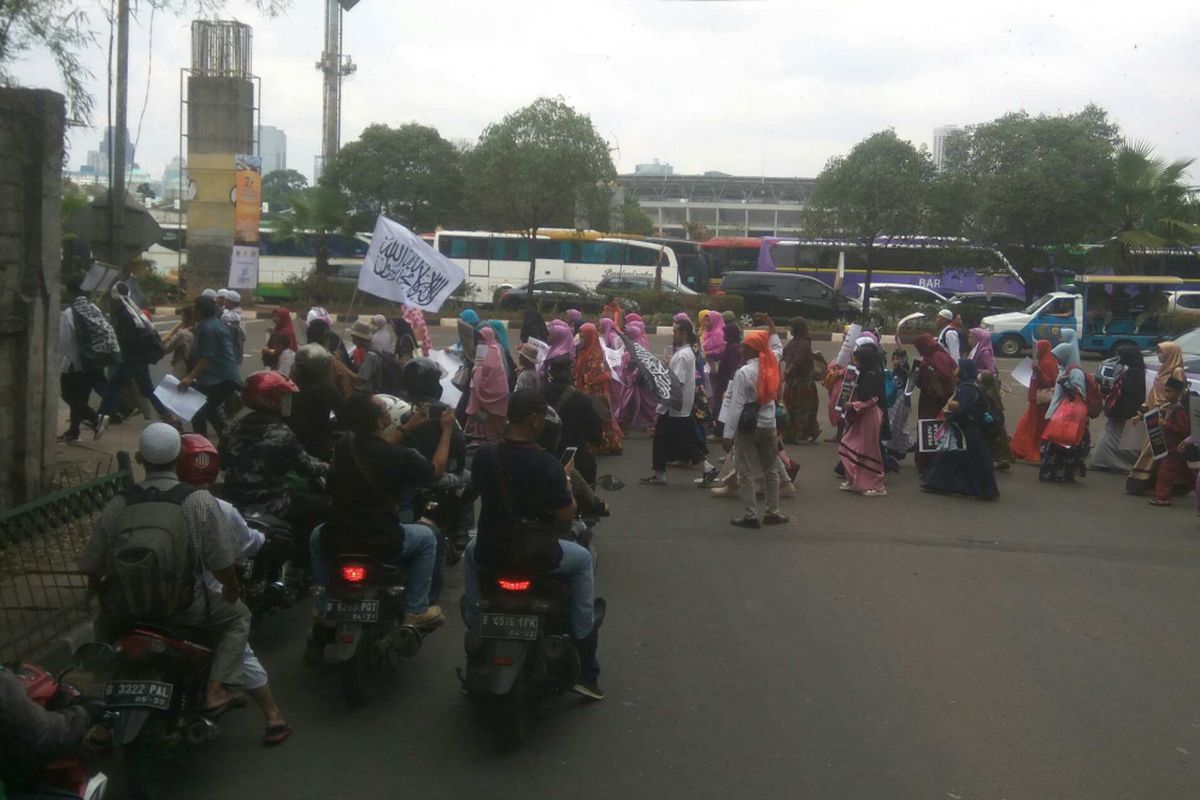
[[683, 364], [948, 339], [743, 389], [246, 540]]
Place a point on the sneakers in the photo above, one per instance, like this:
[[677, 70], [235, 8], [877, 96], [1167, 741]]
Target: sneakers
[[775, 518], [589, 689], [746, 522], [724, 491], [787, 489], [652, 480], [430, 619], [708, 477], [70, 437], [845, 486], [101, 426], [875, 493]]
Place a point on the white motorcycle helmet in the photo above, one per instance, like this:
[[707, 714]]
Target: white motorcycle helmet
[[398, 411]]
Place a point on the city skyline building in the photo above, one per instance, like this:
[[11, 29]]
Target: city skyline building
[[272, 148], [940, 135]]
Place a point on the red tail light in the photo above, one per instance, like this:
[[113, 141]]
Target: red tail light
[[502, 661], [514, 585], [354, 573]]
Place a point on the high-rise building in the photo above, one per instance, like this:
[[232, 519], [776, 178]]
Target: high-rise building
[[940, 135], [105, 153], [172, 187], [654, 168], [272, 147]]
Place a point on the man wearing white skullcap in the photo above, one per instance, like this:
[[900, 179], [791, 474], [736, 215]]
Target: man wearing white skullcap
[[181, 518], [209, 293], [232, 316], [947, 335]]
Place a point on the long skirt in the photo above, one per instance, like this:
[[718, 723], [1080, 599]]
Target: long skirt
[[966, 472], [674, 440], [1027, 438], [800, 400], [641, 406], [860, 452], [611, 445], [1061, 464], [1108, 454]]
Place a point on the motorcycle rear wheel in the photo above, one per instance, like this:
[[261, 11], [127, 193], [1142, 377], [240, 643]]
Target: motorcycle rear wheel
[[362, 672], [511, 716]]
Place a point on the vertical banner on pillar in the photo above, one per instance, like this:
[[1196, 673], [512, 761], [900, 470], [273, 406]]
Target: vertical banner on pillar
[[247, 201]]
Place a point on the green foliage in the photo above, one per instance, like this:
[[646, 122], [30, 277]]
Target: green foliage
[[541, 166], [319, 209], [651, 302], [410, 174], [1027, 182], [698, 231], [1151, 204], [279, 186], [62, 30], [634, 219]]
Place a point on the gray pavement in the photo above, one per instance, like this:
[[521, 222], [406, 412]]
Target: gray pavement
[[912, 646]]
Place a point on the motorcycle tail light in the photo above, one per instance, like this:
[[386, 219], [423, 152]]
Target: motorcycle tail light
[[502, 661], [354, 573], [514, 584]]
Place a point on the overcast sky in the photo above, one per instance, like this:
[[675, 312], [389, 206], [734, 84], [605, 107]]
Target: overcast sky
[[743, 87]]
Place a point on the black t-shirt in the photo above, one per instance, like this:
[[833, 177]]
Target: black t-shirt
[[582, 426], [538, 489], [362, 515], [310, 418], [425, 437]]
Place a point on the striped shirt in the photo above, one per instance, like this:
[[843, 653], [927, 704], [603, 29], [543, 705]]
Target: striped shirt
[[207, 528]]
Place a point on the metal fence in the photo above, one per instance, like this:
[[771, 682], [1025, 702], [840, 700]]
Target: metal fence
[[42, 592]]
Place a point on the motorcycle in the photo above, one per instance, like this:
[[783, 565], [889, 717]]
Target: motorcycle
[[522, 651], [157, 691], [75, 774], [445, 506], [365, 609], [271, 579]]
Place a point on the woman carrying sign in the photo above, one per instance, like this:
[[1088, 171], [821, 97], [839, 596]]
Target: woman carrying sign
[[1027, 438], [966, 472], [593, 379], [935, 379], [860, 449], [1121, 405], [1170, 357]]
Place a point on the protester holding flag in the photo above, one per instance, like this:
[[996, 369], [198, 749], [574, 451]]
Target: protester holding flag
[[593, 378], [639, 408]]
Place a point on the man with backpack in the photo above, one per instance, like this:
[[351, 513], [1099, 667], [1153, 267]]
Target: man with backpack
[[145, 555], [380, 372], [87, 344], [140, 346]]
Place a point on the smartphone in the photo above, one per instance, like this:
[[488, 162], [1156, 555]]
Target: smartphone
[[569, 454]]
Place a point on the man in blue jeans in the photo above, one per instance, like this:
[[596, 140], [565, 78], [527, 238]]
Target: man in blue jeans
[[538, 490], [370, 470], [140, 347]]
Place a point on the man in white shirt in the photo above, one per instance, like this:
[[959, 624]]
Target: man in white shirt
[[947, 335], [675, 437], [755, 384]]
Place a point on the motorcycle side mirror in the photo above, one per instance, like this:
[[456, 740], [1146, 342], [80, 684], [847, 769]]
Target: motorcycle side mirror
[[94, 657], [609, 483]]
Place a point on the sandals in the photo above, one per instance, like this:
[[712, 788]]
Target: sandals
[[653, 480], [214, 712], [1160, 503], [276, 735]]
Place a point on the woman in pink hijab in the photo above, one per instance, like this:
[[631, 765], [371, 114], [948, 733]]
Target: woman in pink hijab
[[712, 339], [416, 320], [618, 392], [562, 341], [488, 405], [639, 409]]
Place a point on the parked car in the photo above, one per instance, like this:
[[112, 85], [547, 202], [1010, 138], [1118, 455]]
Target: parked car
[[1188, 301], [974, 306], [1189, 343], [784, 296], [901, 292], [554, 295], [615, 284]]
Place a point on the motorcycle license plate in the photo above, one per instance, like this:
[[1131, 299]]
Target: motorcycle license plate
[[138, 694], [509, 626], [353, 611]]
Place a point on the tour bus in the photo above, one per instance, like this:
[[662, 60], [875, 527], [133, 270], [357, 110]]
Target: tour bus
[[494, 262], [731, 254], [1106, 312], [946, 264]]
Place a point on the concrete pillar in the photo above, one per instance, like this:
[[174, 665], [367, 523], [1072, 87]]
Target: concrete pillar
[[31, 158]]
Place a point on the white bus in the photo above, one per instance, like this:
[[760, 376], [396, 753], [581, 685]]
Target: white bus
[[494, 262]]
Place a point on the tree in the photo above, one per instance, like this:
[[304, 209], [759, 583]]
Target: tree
[[410, 174], [1151, 205], [320, 210], [541, 166], [698, 231], [878, 188], [278, 187], [1029, 183], [634, 219]]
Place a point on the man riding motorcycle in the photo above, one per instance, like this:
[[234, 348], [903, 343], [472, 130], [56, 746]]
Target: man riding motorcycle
[[259, 450], [536, 488], [179, 525], [199, 465], [369, 469]]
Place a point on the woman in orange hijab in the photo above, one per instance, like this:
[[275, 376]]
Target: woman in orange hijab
[[1027, 439], [592, 378]]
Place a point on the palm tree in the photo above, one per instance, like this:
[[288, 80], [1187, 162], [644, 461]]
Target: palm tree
[[1152, 204], [319, 210]]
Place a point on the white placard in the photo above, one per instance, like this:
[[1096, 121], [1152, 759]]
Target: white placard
[[449, 364], [1023, 373], [182, 404], [542, 349], [400, 266], [243, 267], [613, 357], [847, 350], [99, 277]]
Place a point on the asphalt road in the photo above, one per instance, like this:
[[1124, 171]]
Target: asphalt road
[[913, 646]]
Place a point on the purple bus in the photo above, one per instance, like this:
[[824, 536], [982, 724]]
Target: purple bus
[[946, 265]]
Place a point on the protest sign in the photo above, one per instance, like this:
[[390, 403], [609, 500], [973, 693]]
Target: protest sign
[[1023, 373], [182, 404], [849, 384], [400, 266], [1156, 434], [934, 435]]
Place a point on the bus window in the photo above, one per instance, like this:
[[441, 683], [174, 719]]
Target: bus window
[[647, 257], [478, 247], [549, 248], [503, 249], [783, 255]]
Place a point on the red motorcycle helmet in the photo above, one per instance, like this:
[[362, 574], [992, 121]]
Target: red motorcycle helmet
[[198, 464], [265, 390]]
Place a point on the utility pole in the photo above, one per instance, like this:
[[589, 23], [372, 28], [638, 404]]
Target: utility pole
[[334, 66], [119, 140]]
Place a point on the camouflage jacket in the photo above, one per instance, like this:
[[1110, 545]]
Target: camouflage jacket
[[257, 453]]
